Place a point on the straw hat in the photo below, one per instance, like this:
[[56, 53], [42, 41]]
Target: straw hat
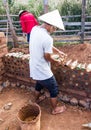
[[53, 18]]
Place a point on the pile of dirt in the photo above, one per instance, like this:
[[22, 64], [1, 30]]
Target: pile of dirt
[[80, 52], [22, 49]]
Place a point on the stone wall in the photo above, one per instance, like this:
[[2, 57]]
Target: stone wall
[[3, 51]]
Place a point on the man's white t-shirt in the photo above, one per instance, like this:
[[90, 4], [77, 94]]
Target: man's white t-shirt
[[41, 42]]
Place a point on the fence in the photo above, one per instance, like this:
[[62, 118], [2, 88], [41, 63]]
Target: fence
[[72, 31]]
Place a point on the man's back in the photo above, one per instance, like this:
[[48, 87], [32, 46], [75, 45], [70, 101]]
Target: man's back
[[28, 21], [40, 43]]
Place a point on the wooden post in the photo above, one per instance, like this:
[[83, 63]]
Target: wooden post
[[15, 39], [83, 20], [45, 6]]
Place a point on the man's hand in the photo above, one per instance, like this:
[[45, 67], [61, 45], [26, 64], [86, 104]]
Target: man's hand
[[58, 62], [60, 59], [62, 54]]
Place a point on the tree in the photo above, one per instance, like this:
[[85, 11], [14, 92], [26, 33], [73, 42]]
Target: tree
[[83, 20], [45, 6], [15, 39]]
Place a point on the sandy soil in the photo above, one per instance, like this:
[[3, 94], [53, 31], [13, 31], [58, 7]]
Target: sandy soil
[[71, 119]]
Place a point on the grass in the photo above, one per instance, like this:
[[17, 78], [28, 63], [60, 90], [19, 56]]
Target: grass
[[57, 44]]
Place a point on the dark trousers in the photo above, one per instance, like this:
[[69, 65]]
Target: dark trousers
[[28, 37], [50, 84]]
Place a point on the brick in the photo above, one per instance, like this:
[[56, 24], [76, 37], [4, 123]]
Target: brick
[[3, 52], [19, 78]]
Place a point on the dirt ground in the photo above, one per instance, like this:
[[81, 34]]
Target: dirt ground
[[71, 119]]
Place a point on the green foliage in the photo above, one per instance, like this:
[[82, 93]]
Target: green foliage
[[70, 8], [14, 7], [88, 9], [66, 7], [10, 2], [2, 10], [35, 7], [17, 7], [58, 44]]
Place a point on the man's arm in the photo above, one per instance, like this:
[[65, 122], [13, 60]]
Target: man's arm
[[49, 57], [57, 51]]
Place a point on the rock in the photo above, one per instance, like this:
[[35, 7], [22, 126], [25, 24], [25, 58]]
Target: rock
[[23, 86], [74, 101], [83, 103], [28, 88], [32, 89], [66, 98], [13, 84], [60, 95], [17, 84], [6, 84], [7, 106]]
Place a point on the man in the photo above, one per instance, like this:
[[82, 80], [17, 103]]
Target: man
[[27, 21], [41, 50]]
